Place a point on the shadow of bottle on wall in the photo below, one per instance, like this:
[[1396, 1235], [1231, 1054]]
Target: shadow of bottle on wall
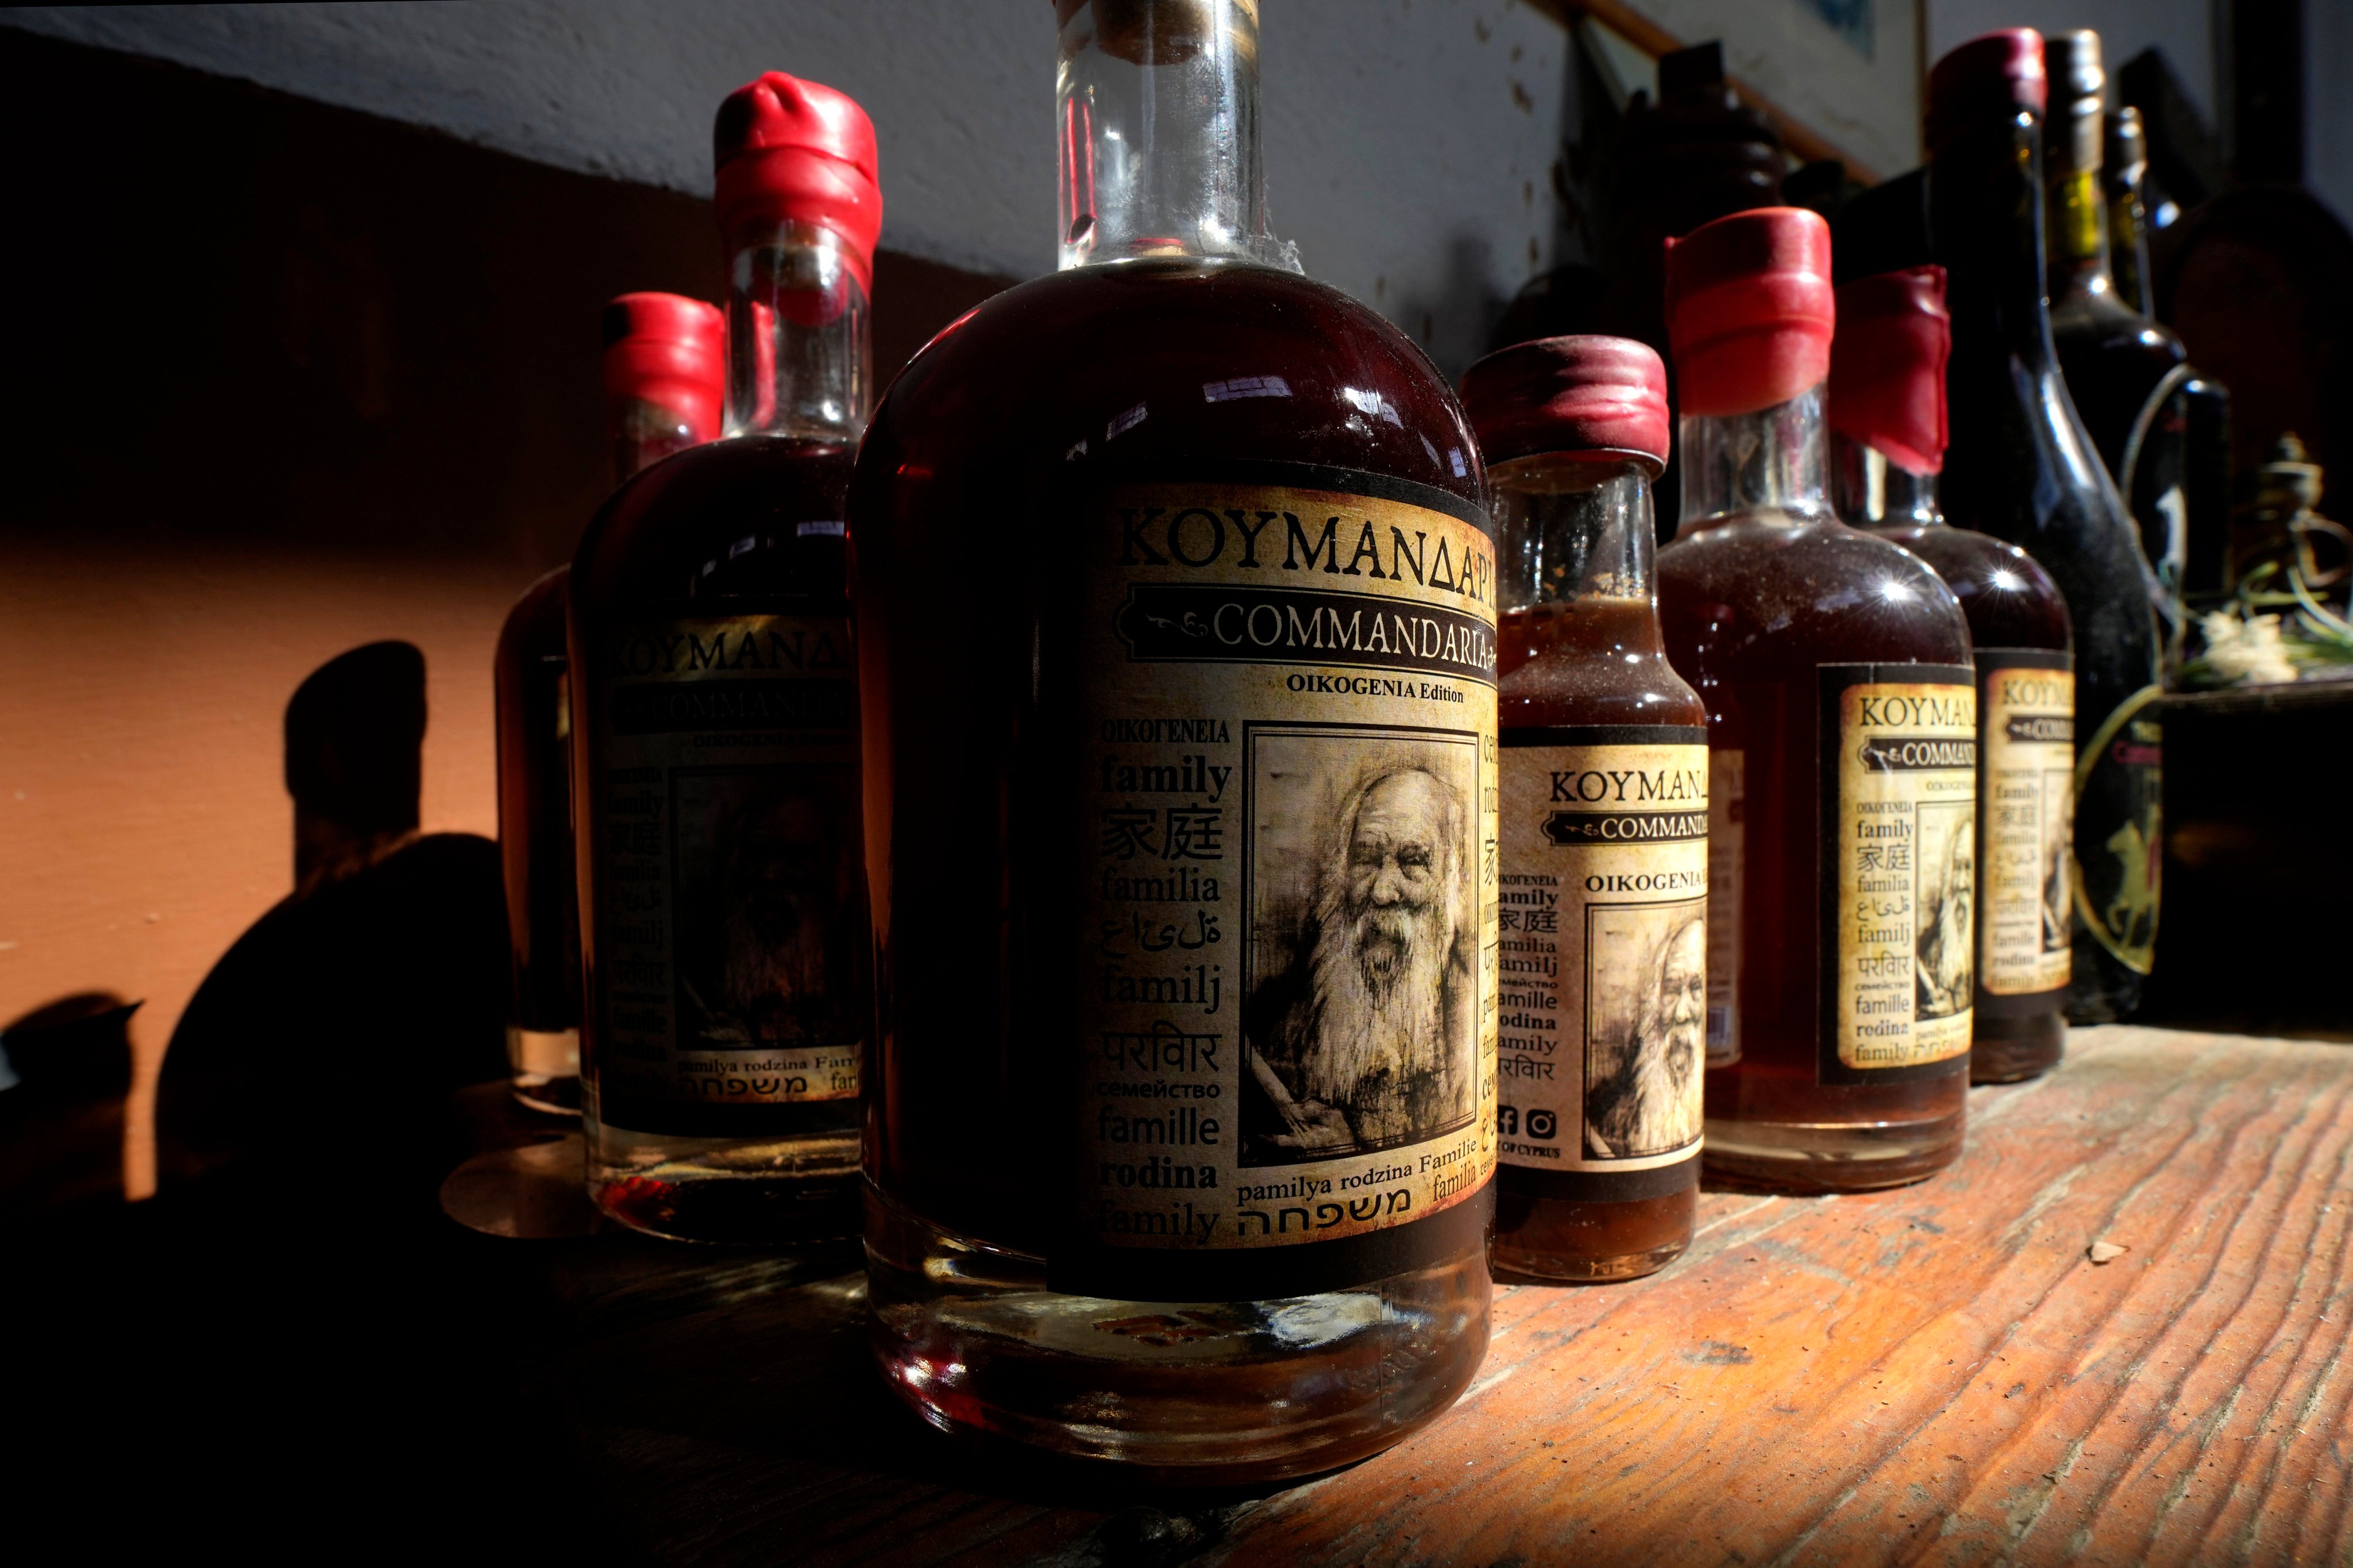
[[313, 1071], [65, 1069]]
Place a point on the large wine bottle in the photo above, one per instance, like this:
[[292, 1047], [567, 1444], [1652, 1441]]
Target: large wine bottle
[[2021, 468]]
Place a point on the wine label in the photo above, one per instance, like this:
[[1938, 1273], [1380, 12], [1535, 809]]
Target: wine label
[[1285, 954], [1604, 946], [2120, 841], [2026, 814], [724, 845], [1899, 872], [1727, 850]]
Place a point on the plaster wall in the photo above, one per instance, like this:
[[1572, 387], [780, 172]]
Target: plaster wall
[[1410, 142]]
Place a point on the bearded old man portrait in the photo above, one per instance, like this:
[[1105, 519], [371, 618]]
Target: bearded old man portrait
[[1947, 948], [1647, 1101], [782, 972], [1366, 1039]]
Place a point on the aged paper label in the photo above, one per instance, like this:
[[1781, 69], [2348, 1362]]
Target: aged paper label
[[1899, 842], [725, 842], [1286, 948], [1603, 968], [2027, 780], [1727, 847]]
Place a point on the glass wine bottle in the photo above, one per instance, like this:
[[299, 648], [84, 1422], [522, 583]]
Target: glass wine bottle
[[1888, 444], [1847, 661], [714, 720], [1177, 603], [1603, 944], [2125, 373], [2021, 469], [665, 384]]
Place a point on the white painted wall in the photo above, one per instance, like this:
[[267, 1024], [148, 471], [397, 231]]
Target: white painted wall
[[1408, 141]]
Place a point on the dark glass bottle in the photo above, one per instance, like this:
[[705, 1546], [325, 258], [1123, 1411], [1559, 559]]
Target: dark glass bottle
[[665, 387], [1180, 800], [1887, 442], [2125, 373], [2021, 468], [1849, 663], [1603, 967], [715, 732]]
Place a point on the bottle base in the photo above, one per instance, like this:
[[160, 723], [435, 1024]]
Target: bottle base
[[1802, 1158], [554, 1096], [1556, 1269], [1188, 1393], [2009, 1050], [726, 1190], [1561, 1240]]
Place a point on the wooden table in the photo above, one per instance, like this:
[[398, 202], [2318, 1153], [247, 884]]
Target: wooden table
[[1938, 1374]]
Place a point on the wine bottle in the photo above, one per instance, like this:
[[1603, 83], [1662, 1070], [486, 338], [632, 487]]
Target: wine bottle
[[665, 377], [1603, 972], [714, 726], [1847, 661], [1887, 443], [2021, 469], [1176, 605], [2125, 372]]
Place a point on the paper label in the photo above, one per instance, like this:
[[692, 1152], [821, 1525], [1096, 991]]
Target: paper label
[[726, 846], [1286, 948], [1899, 815], [2026, 819], [1603, 947]]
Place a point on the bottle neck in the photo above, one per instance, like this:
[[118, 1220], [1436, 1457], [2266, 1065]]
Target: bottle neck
[[642, 433], [800, 359], [1775, 461], [2077, 221], [1868, 491], [1157, 110], [2128, 244], [1986, 201], [1571, 528]]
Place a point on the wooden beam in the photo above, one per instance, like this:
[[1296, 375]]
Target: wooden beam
[[1647, 36]]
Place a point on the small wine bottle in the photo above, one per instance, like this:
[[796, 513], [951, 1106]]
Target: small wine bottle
[[665, 381], [1888, 444], [1605, 822], [715, 733], [2021, 469], [1848, 662]]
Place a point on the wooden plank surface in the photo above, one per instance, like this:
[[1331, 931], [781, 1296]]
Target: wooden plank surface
[[1934, 1374]]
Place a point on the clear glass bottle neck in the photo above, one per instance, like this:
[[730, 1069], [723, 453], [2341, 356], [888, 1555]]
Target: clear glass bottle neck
[[800, 357], [1572, 528], [1867, 490], [1157, 124], [1774, 462], [642, 433]]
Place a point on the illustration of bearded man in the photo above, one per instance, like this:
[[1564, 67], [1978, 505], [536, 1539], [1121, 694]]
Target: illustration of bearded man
[[1366, 1040], [778, 895], [1947, 950], [1650, 1104]]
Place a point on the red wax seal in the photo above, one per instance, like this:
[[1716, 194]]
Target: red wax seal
[[795, 152], [671, 351], [1997, 73], [1749, 310], [1602, 396], [1887, 366]]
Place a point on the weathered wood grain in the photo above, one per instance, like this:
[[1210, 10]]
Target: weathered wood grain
[[1935, 1375]]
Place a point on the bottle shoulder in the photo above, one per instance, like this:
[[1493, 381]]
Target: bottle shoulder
[[751, 515], [1811, 592], [1150, 362], [2009, 599]]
